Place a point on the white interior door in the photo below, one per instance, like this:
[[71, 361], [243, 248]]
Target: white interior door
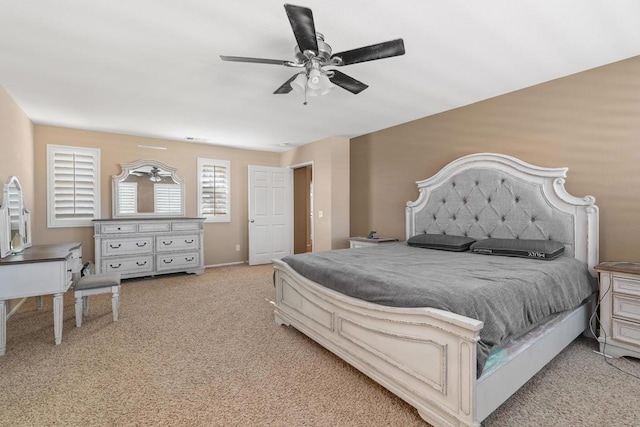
[[270, 213]]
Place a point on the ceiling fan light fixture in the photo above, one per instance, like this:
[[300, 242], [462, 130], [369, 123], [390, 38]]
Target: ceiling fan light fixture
[[299, 83], [315, 84]]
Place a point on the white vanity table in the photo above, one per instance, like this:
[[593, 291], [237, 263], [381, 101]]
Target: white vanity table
[[31, 271], [36, 271]]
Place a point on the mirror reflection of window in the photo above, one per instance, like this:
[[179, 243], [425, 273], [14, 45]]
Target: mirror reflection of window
[[15, 204], [167, 198], [128, 197]]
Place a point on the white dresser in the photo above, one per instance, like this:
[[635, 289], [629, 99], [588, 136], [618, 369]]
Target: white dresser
[[619, 308], [148, 247]]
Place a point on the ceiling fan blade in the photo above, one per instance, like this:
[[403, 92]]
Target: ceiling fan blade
[[373, 52], [286, 87], [349, 83], [254, 60], [301, 19]]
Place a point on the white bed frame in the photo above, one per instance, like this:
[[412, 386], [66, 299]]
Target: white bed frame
[[427, 356]]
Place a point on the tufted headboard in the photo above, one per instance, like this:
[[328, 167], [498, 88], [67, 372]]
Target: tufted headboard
[[494, 195]]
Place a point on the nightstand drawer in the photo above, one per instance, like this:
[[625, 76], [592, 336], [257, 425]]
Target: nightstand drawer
[[626, 285], [628, 307], [626, 331]]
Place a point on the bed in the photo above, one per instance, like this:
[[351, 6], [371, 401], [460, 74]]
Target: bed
[[429, 356]]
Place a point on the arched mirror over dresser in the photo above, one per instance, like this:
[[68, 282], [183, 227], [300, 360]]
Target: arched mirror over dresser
[[15, 219]]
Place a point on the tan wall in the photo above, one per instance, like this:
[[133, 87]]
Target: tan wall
[[330, 158], [16, 146], [16, 151], [589, 122], [220, 238]]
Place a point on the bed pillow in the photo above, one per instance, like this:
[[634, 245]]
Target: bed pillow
[[444, 242], [538, 249]]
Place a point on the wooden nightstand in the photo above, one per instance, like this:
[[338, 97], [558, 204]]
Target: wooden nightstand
[[619, 308], [361, 242]]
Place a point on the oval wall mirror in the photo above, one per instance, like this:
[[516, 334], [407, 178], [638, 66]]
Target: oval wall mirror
[[147, 188]]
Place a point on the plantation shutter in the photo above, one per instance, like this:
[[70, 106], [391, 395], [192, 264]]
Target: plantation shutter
[[128, 197], [167, 198], [15, 205], [214, 191], [73, 185]]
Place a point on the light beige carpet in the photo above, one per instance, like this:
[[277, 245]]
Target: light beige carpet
[[205, 351]]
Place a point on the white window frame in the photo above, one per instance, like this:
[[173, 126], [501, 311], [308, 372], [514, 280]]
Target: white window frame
[[202, 163], [94, 153]]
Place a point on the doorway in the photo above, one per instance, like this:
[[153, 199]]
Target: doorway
[[302, 208]]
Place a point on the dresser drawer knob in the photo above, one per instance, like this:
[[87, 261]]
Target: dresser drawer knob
[[141, 264], [189, 259], [188, 242], [167, 262], [115, 266], [164, 242], [141, 245], [115, 247]]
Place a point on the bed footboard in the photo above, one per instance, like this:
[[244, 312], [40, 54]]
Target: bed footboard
[[425, 356]]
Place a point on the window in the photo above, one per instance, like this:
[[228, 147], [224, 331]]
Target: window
[[73, 186], [214, 202], [167, 198]]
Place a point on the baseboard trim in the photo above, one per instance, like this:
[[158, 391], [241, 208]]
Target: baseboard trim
[[225, 264]]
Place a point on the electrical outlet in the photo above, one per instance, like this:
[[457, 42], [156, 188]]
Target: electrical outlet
[[237, 248]]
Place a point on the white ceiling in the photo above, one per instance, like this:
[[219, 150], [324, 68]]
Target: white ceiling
[[152, 68]]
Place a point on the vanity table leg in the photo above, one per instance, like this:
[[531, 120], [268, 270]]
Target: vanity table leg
[[39, 302], [3, 327], [57, 317]]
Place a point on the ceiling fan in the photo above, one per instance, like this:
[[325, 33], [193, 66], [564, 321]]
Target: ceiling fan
[[312, 54], [155, 174]]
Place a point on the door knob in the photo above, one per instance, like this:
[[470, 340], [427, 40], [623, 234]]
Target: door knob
[[252, 221]]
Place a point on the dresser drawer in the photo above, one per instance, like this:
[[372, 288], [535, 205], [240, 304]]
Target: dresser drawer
[[626, 331], [184, 226], [146, 227], [178, 261], [177, 243], [626, 285], [118, 228], [128, 265], [624, 306], [111, 247]]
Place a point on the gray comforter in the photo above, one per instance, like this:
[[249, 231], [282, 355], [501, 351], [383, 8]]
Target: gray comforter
[[510, 295]]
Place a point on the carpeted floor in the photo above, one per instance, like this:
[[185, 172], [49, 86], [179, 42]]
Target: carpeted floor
[[205, 351]]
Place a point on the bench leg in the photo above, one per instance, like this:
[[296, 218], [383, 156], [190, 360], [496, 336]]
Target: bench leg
[[115, 302], [85, 305], [78, 311]]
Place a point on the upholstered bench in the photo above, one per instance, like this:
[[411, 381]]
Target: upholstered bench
[[95, 284]]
